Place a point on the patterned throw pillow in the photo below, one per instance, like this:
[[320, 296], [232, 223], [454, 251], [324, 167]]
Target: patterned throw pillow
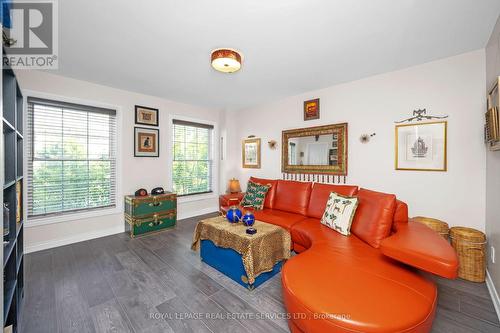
[[339, 213], [255, 195]]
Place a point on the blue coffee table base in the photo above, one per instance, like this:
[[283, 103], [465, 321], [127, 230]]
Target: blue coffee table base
[[228, 262]]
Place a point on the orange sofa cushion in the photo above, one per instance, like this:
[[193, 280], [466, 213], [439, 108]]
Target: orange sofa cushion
[[326, 290], [359, 276], [292, 196], [319, 197], [374, 216], [271, 193], [310, 231], [401, 213], [417, 245], [278, 217]]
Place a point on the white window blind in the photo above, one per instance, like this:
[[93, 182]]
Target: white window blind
[[71, 157], [192, 158]]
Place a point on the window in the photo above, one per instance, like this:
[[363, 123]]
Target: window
[[192, 158], [71, 157], [292, 154]]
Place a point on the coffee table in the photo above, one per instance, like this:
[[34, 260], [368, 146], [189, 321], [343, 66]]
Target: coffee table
[[249, 260]]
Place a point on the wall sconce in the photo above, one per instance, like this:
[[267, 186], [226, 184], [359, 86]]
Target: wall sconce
[[365, 138]]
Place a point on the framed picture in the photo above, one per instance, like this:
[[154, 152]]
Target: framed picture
[[250, 149], [421, 147], [311, 109], [146, 142], [146, 116]]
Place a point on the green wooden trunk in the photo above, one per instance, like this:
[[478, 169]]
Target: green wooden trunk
[[150, 213]]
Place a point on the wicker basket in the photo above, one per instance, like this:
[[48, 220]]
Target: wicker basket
[[470, 245], [438, 226]]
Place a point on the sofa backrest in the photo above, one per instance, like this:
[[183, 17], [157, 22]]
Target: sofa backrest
[[371, 222], [400, 214], [374, 216], [321, 192], [292, 196], [271, 193]]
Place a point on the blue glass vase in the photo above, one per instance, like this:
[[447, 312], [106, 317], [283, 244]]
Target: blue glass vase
[[248, 219], [234, 215]]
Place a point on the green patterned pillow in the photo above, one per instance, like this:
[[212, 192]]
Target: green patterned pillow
[[255, 195]]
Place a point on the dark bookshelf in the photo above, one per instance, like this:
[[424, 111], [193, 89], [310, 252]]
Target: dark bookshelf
[[13, 252]]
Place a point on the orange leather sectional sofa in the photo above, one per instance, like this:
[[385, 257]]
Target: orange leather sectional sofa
[[370, 281]]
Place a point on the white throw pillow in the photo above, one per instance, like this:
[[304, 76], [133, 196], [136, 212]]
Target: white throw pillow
[[339, 213]]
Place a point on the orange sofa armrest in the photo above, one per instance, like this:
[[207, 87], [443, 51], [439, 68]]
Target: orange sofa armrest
[[417, 245]]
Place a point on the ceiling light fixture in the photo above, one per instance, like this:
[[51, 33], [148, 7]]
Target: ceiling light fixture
[[226, 60]]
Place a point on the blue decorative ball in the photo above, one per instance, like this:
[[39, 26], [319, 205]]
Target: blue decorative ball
[[248, 219], [234, 215]]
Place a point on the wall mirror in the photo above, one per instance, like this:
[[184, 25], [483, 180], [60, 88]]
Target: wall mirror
[[315, 150]]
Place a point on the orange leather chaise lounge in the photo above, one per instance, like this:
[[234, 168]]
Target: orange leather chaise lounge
[[369, 281]]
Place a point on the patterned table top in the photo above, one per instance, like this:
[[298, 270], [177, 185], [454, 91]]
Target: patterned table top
[[259, 252]]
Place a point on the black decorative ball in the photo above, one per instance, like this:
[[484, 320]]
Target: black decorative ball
[[141, 192], [157, 190]]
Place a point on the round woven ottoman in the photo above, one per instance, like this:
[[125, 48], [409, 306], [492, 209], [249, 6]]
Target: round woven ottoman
[[438, 226], [470, 245]]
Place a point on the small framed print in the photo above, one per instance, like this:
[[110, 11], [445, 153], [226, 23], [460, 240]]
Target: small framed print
[[146, 142], [311, 109], [146, 116], [421, 147], [251, 153]]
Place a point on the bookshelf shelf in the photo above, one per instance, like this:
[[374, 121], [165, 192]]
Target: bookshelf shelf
[[9, 292], [13, 252]]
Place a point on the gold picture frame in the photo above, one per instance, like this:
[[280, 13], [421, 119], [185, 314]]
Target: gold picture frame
[[492, 129], [421, 146], [250, 153]]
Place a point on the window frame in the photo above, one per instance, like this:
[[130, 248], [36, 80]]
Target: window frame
[[215, 159], [34, 221]]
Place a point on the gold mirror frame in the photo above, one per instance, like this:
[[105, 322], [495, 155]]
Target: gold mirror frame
[[340, 169]]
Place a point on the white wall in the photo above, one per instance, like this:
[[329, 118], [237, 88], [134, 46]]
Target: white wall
[[136, 172], [493, 166], [452, 86]]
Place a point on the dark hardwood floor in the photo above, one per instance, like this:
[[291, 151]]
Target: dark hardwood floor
[[157, 284]]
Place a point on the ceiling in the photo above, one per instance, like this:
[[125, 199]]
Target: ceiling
[[162, 47]]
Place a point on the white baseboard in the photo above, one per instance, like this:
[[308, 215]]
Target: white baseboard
[[493, 293], [199, 212], [101, 233], [73, 239]]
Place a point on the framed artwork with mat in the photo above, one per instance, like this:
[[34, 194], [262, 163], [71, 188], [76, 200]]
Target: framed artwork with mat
[[146, 116], [421, 146], [146, 142], [250, 153]]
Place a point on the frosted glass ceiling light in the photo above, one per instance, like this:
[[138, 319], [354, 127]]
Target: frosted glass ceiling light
[[226, 60]]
